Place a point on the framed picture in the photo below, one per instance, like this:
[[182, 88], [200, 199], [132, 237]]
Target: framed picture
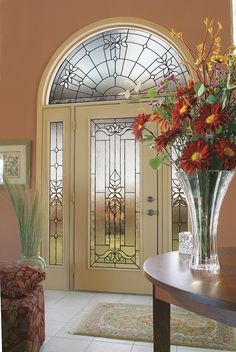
[[15, 162]]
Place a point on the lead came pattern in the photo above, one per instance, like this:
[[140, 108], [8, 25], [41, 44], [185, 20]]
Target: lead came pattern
[[114, 208], [179, 211], [104, 66], [56, 194]]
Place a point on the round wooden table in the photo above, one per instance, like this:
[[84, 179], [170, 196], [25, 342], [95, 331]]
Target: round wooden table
[[210, 294]]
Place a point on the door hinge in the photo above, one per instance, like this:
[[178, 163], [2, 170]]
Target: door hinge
[[73, 269]]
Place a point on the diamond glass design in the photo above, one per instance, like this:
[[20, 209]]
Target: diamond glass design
[[104, 66], [115, 194]]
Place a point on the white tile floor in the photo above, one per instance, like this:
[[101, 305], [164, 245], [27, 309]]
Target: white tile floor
[[66, 308]]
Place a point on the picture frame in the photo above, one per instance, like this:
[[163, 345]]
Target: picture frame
[[15, 162]]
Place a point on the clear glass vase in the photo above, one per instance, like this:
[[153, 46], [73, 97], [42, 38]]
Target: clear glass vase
[[205, 191], [34, 260]]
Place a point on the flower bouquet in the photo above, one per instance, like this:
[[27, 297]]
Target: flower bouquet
[[196, 125], [198, 121]]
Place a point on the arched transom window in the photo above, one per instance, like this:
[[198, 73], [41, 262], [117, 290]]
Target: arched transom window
[[109, 63]]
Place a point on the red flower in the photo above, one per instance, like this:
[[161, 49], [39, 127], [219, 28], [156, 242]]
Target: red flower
[[227, 152], [195, 156], [166, 137], [211, 117], [138, 125], [189, 89], [180, 112], [164, 125]]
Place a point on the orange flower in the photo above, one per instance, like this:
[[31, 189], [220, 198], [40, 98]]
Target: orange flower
[[196, 156], [138, 126], [210, 119], [164, 125], [227, 152], [189, 89]]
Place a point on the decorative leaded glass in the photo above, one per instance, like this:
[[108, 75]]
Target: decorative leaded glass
[[56, 194], [115, 195], [179, 210], [1, 168], [104, 66]]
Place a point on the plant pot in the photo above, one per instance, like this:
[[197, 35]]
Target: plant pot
[[205, 191]]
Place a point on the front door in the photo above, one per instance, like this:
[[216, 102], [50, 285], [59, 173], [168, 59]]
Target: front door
[[115, 201]]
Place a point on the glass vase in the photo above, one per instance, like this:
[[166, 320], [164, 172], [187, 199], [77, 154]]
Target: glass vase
[[205, 191], [34, 260]]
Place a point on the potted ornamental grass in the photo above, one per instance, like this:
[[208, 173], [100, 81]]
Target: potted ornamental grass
[[28, 211]]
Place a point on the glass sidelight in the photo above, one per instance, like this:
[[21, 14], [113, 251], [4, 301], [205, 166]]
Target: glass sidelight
[[56, 194]]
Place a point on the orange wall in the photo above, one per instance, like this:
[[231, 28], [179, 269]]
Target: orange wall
[[31, 31]]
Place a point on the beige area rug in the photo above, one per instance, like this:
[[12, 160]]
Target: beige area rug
[[134, 322]]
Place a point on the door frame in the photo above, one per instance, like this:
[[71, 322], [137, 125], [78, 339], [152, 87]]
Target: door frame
[[164, 227], [164, 239]]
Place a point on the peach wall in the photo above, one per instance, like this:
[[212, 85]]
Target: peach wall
[[32, 30]]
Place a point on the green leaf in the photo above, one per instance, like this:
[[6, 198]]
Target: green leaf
[[211, 99], [232, 127], [156, 163], [194, 137], [224, 102], [199, 88], [152, 93], [147, 137]]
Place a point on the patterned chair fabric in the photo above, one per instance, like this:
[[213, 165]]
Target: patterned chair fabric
[[17, 279], [23, 324]]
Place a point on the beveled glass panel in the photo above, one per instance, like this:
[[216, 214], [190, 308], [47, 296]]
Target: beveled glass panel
[[112, 62], [114, 208], [56, 194]]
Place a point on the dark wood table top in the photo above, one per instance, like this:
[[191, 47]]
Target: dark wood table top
[[170, 272]]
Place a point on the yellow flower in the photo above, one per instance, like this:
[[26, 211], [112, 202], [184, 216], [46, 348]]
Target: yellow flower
[[176, 34], [220, 59], [231, 48], [217, 45], [210, 29], [232, 60], [200, 47], [206, 21], [209, 66], [209, 25], [220, 26], [199, 60]]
